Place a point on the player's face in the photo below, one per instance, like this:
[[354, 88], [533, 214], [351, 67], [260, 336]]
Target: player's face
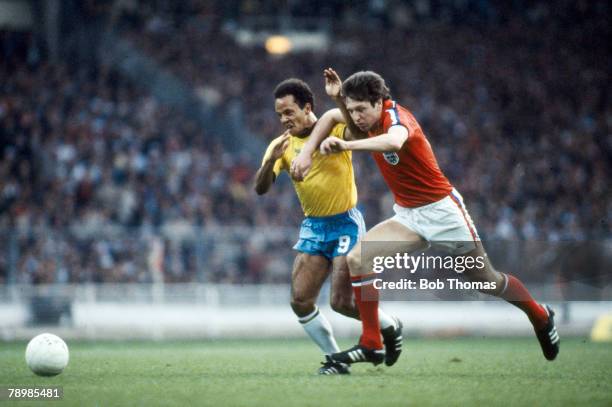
[[292, 117], [363, 113]]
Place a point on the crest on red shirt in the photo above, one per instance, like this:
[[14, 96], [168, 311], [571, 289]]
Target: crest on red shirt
[[391, 157]]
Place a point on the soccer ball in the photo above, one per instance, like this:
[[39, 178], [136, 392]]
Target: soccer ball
[[47, 355]]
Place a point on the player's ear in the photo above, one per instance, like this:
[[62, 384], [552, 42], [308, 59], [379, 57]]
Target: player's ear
[[307, 108]]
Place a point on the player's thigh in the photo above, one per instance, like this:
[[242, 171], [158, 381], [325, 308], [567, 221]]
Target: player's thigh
[[308, 275], [385, 239]]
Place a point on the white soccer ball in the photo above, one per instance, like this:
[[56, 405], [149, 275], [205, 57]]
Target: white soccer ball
[[47, 355]]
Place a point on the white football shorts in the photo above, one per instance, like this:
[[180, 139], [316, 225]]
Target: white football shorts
[[445, 224]]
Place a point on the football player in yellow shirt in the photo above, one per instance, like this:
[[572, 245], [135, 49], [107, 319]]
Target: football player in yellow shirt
[[332, 224]]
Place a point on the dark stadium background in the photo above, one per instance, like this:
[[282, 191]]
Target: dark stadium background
[[130, 132]]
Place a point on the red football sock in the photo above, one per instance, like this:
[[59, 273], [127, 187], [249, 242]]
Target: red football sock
[[366, 297], [518, 295]]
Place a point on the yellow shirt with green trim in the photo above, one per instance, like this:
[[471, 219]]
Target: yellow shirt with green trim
[[329, 188]]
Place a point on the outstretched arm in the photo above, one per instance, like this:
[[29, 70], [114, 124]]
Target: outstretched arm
[[321, 130], [301, 164], [393, 140]]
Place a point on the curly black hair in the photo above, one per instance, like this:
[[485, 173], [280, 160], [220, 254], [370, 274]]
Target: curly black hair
[[298, 89]]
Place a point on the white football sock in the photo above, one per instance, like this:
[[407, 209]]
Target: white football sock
[[385, 320], [319, 329]]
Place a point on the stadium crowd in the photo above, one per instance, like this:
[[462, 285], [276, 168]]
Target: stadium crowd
[[93, 169]]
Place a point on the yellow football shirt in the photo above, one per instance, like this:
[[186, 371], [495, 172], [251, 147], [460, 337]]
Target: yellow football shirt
[[329, 188]]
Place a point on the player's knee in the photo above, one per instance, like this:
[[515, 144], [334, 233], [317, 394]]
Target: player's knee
[[302, 306]]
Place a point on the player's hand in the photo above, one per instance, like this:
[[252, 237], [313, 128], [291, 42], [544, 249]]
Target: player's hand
[[333, 84], [300, 166], [280, 147], [333, 145]]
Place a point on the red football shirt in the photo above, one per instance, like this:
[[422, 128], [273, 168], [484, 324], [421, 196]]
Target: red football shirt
[[412, 174]]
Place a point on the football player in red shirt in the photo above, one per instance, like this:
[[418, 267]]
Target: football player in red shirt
[[428, 210]]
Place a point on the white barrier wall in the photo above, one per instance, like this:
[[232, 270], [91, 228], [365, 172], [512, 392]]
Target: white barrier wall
[[195, 311]]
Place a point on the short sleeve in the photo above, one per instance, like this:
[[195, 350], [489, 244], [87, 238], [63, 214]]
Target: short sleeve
[[278, 165], [338, 131], [392, 118]]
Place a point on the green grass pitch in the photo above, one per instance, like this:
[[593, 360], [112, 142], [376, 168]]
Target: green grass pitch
[[444, 372]]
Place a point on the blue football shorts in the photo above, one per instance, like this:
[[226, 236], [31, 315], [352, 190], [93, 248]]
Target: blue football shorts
[[331, 236]]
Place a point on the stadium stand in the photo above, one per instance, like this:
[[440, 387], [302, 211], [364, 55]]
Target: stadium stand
[[95, 170]]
